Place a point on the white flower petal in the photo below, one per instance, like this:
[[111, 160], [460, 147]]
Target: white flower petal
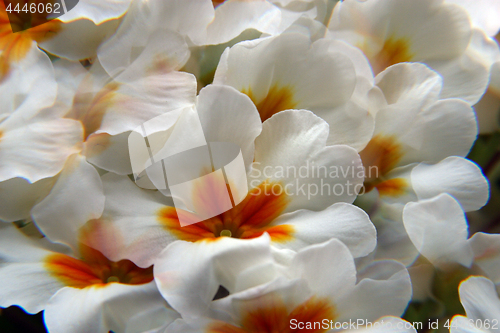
[[98, 309], [227, 115], [384, 288], [131, 214], [36, 148], [465, 77], [97, 11], [30, 85], [189, 274], [291, 150], [392, 238], [151, 320], [409, 85], [109, 152], [456, 176], [233, 17], [486, 249], [80, 39], [328, 268], [319, 77], [438, 229], [24, 278], [77, 197], [142, 100], [461, 324], [128, 57], [479, 298], [345, 222]]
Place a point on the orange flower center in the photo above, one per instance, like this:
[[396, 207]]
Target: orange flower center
[[393, 52], [94, 269], [250, 219], [379, 157], [273, 317], [277, 99], [15, 46]]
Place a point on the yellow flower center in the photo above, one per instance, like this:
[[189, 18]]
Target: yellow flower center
[[393, 52], [15, 46], [279, 98], [249, 219], [379, 157], [272, 316]]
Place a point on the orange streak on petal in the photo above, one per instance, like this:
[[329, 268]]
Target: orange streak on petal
[[272, 316], [262, 205], [168, 218], [250, 219], [210, 193], [15, 46], [269, 317], [380, 156], [314, 310], [392, 187], [221, 327], [4, 68], [92, 268], [277, 99], [281, 233], [71, 272], [393, 52]]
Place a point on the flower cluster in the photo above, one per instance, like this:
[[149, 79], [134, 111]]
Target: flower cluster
[[248, 166]]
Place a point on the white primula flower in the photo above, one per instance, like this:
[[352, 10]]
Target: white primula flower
[[486, 248], [480, 301], [453, 176], [416, 153], [107, 110], [97, 11], [485, 17], [79, 291], [319, 284], [84, 28], [289, 71], [232, 17], [14, 47], [39, 151], [429, 31], [110, 108], [438, 228], [34, 143], [75, 35], [159, 30], [414, 125], [295, 210]]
